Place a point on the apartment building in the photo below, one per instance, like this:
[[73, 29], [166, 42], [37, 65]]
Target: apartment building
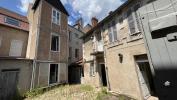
[[33, 48], [75, 54], [122, 57]]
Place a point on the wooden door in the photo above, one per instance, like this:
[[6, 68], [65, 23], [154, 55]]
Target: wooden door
[[8, 85]]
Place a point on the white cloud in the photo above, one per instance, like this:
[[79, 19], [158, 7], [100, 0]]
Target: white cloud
[[24, 5], [94, 8]]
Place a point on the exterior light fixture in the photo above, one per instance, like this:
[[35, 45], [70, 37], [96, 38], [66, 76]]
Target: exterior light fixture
[[120, 58]]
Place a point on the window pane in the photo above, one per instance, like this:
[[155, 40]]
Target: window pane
[[131, 22], [12, 21]]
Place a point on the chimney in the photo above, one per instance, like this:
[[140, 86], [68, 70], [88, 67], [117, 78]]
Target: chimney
[[79, 24], [94, 21]]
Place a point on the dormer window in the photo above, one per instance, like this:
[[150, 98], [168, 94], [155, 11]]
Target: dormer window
[[56, 17], [12, 21]]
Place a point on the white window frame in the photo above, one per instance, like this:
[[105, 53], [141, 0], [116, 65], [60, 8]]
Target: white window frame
[[58, 79], [54, 34], [54, 18], [112, 31]]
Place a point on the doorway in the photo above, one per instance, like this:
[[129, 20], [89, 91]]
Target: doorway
[[145, 76], [8, 84], [103, 75]]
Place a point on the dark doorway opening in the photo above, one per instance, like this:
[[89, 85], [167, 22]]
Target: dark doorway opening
[[103, 75], [53, 73], [145, 76], [75, 74]]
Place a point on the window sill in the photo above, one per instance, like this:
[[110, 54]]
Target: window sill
[[55, 51], [135, 39], [114, 44]]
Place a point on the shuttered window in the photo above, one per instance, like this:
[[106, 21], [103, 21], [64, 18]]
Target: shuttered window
[[112, 31], [16, 48], [133, 19]]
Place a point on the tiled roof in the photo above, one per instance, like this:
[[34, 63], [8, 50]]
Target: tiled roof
[[9, 13]]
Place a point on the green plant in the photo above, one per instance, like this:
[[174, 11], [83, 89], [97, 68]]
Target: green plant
[[86, 88], [34, 92]]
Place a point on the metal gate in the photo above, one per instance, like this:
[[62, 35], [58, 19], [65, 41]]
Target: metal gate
[[159, 22], [8, 85]]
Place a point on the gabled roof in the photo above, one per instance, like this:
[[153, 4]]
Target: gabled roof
[[56, 3]]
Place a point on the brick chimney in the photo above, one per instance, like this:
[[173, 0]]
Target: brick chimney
[[94, 21]]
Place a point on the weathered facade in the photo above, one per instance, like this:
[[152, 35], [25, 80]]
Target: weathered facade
[[33, 48], [75, 54], [48, 43], [127, 66]]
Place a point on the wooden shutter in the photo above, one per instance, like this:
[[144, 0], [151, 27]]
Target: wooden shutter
[[110, 33], [16, 48], [114, 30], [136, 7], [131, 22]]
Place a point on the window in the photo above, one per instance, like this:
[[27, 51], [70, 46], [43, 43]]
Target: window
[[0, 41], [55, 16], [55, 43], [12, 21], [92, 71], [16, 48], [76, 53], [70, 35], [121, 20], [133, 20], [70, 52], [112, 29], [53, 73]]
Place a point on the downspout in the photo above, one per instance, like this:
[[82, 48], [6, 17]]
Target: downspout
[[36, 49]]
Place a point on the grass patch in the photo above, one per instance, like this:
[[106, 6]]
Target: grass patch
[[86, 88], [103, 93], [34, 92]]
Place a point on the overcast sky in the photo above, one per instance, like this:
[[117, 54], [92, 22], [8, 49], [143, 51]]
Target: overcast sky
[[76, 8]]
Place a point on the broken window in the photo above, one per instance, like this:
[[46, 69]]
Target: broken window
[[55, 43], [53, 73]]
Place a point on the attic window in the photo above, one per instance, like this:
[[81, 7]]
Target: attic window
[[56, 16], [12, 21]]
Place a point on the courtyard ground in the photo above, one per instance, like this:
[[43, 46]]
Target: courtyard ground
[[74, 92]]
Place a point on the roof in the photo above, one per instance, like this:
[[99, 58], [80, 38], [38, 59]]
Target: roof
[[76, 29], [108, 17], [56, 3], [9, 13]]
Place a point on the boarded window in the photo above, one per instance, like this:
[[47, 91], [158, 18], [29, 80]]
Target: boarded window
[[55, 43], [12, 21], [53, 73], [16, 48]]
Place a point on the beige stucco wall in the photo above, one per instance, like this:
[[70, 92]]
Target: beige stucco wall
[[7, 34], [25, 70]]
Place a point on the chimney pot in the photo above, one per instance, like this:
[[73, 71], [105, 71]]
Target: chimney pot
[[94, 21]]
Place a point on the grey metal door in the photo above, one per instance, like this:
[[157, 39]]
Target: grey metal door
[[159, 21], [8, 85]]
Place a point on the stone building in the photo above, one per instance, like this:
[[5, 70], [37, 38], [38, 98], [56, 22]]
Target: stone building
[[124, 53], [75, 54], [33, 48]]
